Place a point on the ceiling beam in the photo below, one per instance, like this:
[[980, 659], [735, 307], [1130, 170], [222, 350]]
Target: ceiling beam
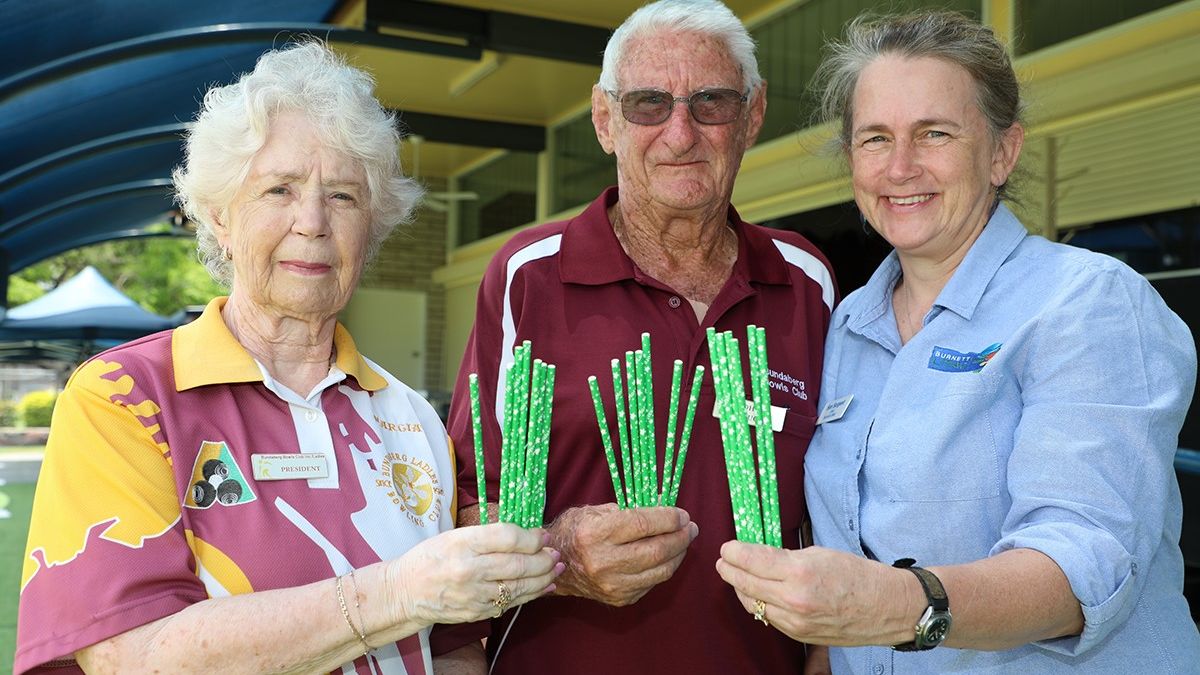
[[473, 132], [126, 139], [161, 186], [220, 34], [498, 31]]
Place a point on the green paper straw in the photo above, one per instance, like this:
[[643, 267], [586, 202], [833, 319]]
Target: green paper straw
[[669, 444], [609, 455], [767, 480], [686, 435], [623, 434], [649, 482], [646, 386], [506, 441], [635, 427], [745, 450], [529, 475], [477, 439], [716, 353], [537, 514]]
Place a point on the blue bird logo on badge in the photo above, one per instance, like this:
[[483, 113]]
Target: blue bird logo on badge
[[950, 361]]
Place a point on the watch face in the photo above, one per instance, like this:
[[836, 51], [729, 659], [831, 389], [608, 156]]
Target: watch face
[[935, 631]]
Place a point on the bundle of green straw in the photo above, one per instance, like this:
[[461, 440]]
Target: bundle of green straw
[[755, 502], [525, 439], [637, 448]]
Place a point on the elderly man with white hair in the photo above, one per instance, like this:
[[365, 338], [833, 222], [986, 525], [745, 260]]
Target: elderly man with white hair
[[664, 252]]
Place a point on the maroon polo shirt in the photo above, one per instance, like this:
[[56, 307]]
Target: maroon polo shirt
[[570, 289]]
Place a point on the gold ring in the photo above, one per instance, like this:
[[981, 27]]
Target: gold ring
[[503, 598], [760, 612]]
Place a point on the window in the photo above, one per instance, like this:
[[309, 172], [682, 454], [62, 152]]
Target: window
[[507, 196]]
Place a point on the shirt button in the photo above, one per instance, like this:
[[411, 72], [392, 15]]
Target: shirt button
[[674, 302], [878, 669], [310, 415]]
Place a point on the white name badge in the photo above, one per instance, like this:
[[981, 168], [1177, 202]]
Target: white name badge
[[290, 467], [777, 415], [835, 409]]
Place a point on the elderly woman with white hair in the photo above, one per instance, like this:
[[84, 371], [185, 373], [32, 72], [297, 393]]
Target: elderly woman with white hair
[[248, 493]]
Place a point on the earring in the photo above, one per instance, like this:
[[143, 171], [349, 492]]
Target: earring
[[225, 253]]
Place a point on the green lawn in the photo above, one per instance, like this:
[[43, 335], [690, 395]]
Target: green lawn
[[12, 551]]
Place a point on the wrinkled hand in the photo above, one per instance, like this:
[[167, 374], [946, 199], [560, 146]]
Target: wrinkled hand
[[616, 556], [453, 577], [814, 595]]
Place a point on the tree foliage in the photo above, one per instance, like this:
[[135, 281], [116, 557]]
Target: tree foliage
[[161, 274]]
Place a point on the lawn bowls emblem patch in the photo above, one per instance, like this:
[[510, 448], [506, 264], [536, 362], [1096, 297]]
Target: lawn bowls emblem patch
[[412, 485], [217, 479]]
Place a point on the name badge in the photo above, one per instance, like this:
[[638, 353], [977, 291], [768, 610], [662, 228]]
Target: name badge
[[835, 409], [777, 415], [290, 467]]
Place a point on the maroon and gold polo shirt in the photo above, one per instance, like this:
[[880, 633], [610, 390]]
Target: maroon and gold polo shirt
[[177, 470]]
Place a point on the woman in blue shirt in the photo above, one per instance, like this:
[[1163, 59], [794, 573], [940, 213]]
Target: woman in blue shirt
[[1013, 408]]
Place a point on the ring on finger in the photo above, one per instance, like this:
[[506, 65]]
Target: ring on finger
[[503, 598], [760, 612]]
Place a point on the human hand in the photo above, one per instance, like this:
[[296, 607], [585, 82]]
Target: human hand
[[616, 556], [455, 577], [818, 595]]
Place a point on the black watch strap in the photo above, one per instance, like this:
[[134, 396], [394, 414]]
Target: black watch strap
[[935, 594]]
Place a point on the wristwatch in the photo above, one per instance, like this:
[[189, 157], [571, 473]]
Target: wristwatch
[[935, 623]]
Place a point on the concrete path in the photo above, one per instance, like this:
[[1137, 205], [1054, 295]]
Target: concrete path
[[20, 467]]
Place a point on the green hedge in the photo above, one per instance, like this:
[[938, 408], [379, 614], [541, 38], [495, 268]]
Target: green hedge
[[36, 407]]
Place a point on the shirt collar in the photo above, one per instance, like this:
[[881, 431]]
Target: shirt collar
[[995, 244], [962, 294], [592, 255], [204, 352]]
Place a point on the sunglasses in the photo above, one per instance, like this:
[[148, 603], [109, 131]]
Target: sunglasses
[[649, 107]]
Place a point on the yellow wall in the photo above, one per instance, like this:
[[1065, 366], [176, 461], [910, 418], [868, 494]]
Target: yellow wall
[[1119, 105], [388, 327]]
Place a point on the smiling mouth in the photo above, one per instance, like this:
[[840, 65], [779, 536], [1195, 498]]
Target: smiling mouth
[[302, 266], [908, 201]]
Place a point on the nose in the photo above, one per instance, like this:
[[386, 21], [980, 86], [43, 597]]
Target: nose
[[680, 129], [310, 218], [903, 162]]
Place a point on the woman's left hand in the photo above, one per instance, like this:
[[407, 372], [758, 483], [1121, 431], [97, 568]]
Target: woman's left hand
[[819, 595]]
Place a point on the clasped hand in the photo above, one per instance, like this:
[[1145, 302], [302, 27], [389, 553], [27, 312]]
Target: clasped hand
[[616, 556], [455, 576], [814, 595]]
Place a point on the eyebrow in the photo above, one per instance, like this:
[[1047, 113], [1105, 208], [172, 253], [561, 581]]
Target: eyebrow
[[273, 177], [919, 124]]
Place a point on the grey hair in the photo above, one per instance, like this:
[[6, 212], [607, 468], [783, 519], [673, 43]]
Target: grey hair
[[944, 35], [232, 125], [707, 17]]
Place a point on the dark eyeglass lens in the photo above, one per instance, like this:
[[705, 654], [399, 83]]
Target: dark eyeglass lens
[[647, 106], [715, 106], [710, 106]]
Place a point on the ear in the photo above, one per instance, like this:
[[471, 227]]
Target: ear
[[1008, 150], [758, 110], [220, 229], [602, 119]]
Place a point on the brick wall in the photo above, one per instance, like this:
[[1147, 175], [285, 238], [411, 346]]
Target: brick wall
[[406, 262]]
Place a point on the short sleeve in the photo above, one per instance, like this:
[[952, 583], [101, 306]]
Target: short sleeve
[[107, 551]]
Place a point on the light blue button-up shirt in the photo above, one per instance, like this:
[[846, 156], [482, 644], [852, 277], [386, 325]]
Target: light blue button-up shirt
[[1039, 407]]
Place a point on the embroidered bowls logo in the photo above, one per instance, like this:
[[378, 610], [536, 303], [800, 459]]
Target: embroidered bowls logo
[[414, 487], [950, 361], [217, 479]]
